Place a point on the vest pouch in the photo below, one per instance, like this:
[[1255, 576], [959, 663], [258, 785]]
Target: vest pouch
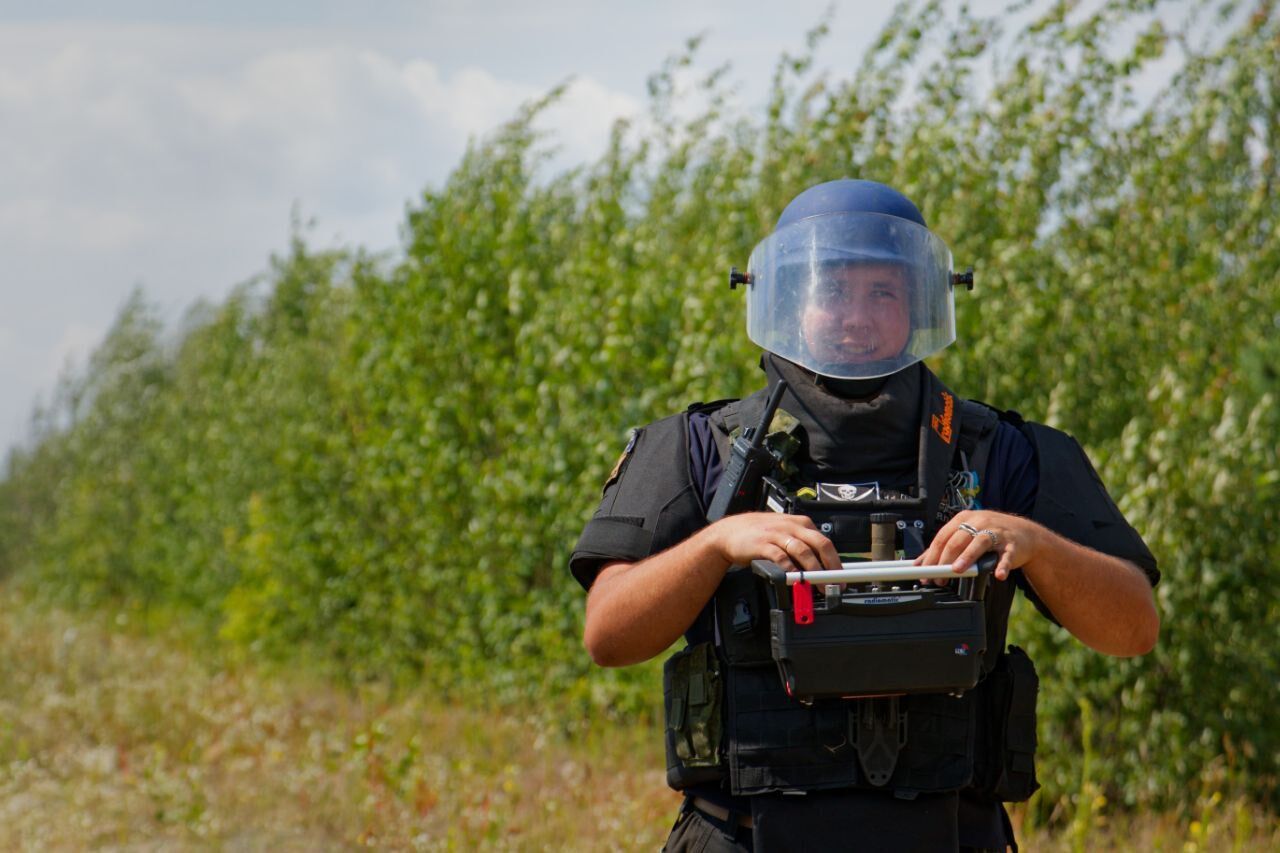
[[742, 618], [938, 754], [1007, 736], [693, 705], [779, 744]]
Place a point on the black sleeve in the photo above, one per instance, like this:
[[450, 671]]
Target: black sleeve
[[1013, 488], [1072, 501], [649, 503]]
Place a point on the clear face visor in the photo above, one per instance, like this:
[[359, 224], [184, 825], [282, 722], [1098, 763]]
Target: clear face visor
[[851, 295]]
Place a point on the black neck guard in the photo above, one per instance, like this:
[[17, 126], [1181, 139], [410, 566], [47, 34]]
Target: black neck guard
[[873, 436]]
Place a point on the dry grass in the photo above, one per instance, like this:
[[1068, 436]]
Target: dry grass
[[110, 740]]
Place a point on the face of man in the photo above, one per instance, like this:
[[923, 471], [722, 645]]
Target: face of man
[[859, 313]]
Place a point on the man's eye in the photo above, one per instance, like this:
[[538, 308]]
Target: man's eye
[[884, 293]]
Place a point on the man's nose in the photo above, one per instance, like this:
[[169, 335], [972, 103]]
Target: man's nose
[[855, 313]]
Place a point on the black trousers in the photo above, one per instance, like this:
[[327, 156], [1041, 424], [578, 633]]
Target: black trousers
[[697, 832]]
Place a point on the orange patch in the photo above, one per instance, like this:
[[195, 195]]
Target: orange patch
[[622, 461], [942, 423], [617, 467]]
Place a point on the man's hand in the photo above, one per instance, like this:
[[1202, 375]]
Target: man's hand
[[791, 541], [636, 610], [1106, 602], [1016, 539]]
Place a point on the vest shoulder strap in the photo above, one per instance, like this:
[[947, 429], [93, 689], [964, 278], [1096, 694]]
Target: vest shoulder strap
[[978, 423], [728, 419], [709, 408]]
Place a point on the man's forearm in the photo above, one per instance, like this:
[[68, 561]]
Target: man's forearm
[[1106, 602], [637, 610]]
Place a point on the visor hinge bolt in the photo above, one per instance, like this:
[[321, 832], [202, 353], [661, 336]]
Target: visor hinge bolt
[[736, 278], [965, 278]]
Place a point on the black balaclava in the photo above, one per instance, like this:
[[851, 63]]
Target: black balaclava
[[858, 430]]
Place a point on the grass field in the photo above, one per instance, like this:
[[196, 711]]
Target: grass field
[[111, 739]]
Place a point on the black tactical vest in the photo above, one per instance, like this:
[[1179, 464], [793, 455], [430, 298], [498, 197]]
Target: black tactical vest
[[730, 720]]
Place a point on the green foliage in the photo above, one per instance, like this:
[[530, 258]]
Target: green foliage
[[384, 464]]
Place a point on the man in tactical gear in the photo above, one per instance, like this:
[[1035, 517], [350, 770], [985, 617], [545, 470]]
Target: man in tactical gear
[[847, 297]]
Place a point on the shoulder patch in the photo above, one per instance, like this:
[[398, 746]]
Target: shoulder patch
[[622, 460]]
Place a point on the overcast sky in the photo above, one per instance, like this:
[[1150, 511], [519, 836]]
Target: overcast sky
[[165, 144]]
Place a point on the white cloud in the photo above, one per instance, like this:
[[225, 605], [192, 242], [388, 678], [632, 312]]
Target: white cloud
[[471, 102], [585, 115], [171, 156], [71, 350], [112, 126], [48, 224]]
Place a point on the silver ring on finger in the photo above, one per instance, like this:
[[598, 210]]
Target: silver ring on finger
[[970, 529], [995, 539]]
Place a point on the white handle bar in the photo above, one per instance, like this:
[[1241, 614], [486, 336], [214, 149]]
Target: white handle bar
[[881, 571]]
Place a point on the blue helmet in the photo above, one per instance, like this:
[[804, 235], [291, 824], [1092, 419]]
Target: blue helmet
[[849, 195], [851, 284]]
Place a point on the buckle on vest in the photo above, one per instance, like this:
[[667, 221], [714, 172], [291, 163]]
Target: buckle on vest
[[879, 733]]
